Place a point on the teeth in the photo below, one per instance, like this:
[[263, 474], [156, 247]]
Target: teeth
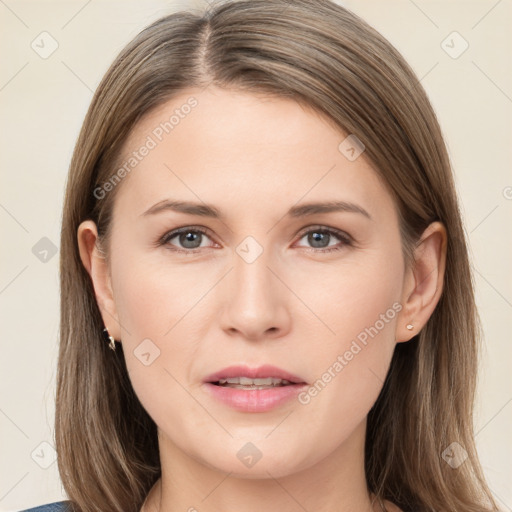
[[245, 381]]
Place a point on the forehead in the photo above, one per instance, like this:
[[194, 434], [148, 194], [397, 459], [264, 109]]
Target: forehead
[[237, 149]]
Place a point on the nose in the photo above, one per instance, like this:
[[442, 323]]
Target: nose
[[255, 302]]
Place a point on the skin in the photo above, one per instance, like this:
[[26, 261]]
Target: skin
[[254, 157]]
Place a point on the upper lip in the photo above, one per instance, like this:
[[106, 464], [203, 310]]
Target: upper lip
[[260, 372]]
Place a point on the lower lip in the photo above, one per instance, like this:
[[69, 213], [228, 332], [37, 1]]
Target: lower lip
[[254, 400]]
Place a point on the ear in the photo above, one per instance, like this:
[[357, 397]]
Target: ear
[[423, 283], [97, 267]]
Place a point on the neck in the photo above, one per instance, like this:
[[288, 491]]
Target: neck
[[335, 484]]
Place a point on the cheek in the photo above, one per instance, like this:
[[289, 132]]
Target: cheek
[[348, 297], [161, 313], [152, 298], [359, 303]]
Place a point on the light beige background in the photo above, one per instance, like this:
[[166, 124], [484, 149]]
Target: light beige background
[[43, 102]]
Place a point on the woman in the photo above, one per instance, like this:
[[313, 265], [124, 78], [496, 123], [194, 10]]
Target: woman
[[265, 288]]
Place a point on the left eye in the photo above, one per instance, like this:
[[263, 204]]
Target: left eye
[[320, 238]]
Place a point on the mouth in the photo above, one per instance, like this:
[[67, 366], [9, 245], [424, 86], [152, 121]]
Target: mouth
[[253, 389], [262, 377], [248, 383]]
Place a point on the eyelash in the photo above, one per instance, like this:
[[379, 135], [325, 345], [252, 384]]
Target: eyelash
[[343, 237]]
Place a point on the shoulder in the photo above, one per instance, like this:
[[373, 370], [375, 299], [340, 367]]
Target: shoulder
[[58, 506]]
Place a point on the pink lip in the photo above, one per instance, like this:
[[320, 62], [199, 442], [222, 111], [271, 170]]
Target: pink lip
[[253, 400], [261, 372]]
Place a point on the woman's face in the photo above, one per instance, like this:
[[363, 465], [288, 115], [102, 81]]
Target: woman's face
[[314, 293]]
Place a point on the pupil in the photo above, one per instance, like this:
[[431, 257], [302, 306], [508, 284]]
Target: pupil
[[188, 239], [316, 237]]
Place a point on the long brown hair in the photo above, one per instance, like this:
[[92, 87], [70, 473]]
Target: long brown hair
[[326, 57]]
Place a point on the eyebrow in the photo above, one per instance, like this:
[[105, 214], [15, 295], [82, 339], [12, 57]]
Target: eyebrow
[[303, 210]]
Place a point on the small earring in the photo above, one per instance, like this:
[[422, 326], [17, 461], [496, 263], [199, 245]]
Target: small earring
[[410, 327], [112, 341]]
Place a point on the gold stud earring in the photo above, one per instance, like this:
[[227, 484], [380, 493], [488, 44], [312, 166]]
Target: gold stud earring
[[108, 337], [410, 327]]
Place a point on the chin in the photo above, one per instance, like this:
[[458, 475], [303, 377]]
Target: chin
[[250, 462]]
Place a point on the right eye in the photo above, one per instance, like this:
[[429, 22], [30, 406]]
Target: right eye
[[189, 238]]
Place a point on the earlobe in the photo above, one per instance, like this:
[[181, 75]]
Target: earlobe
[[97, 268], [423, 284]]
